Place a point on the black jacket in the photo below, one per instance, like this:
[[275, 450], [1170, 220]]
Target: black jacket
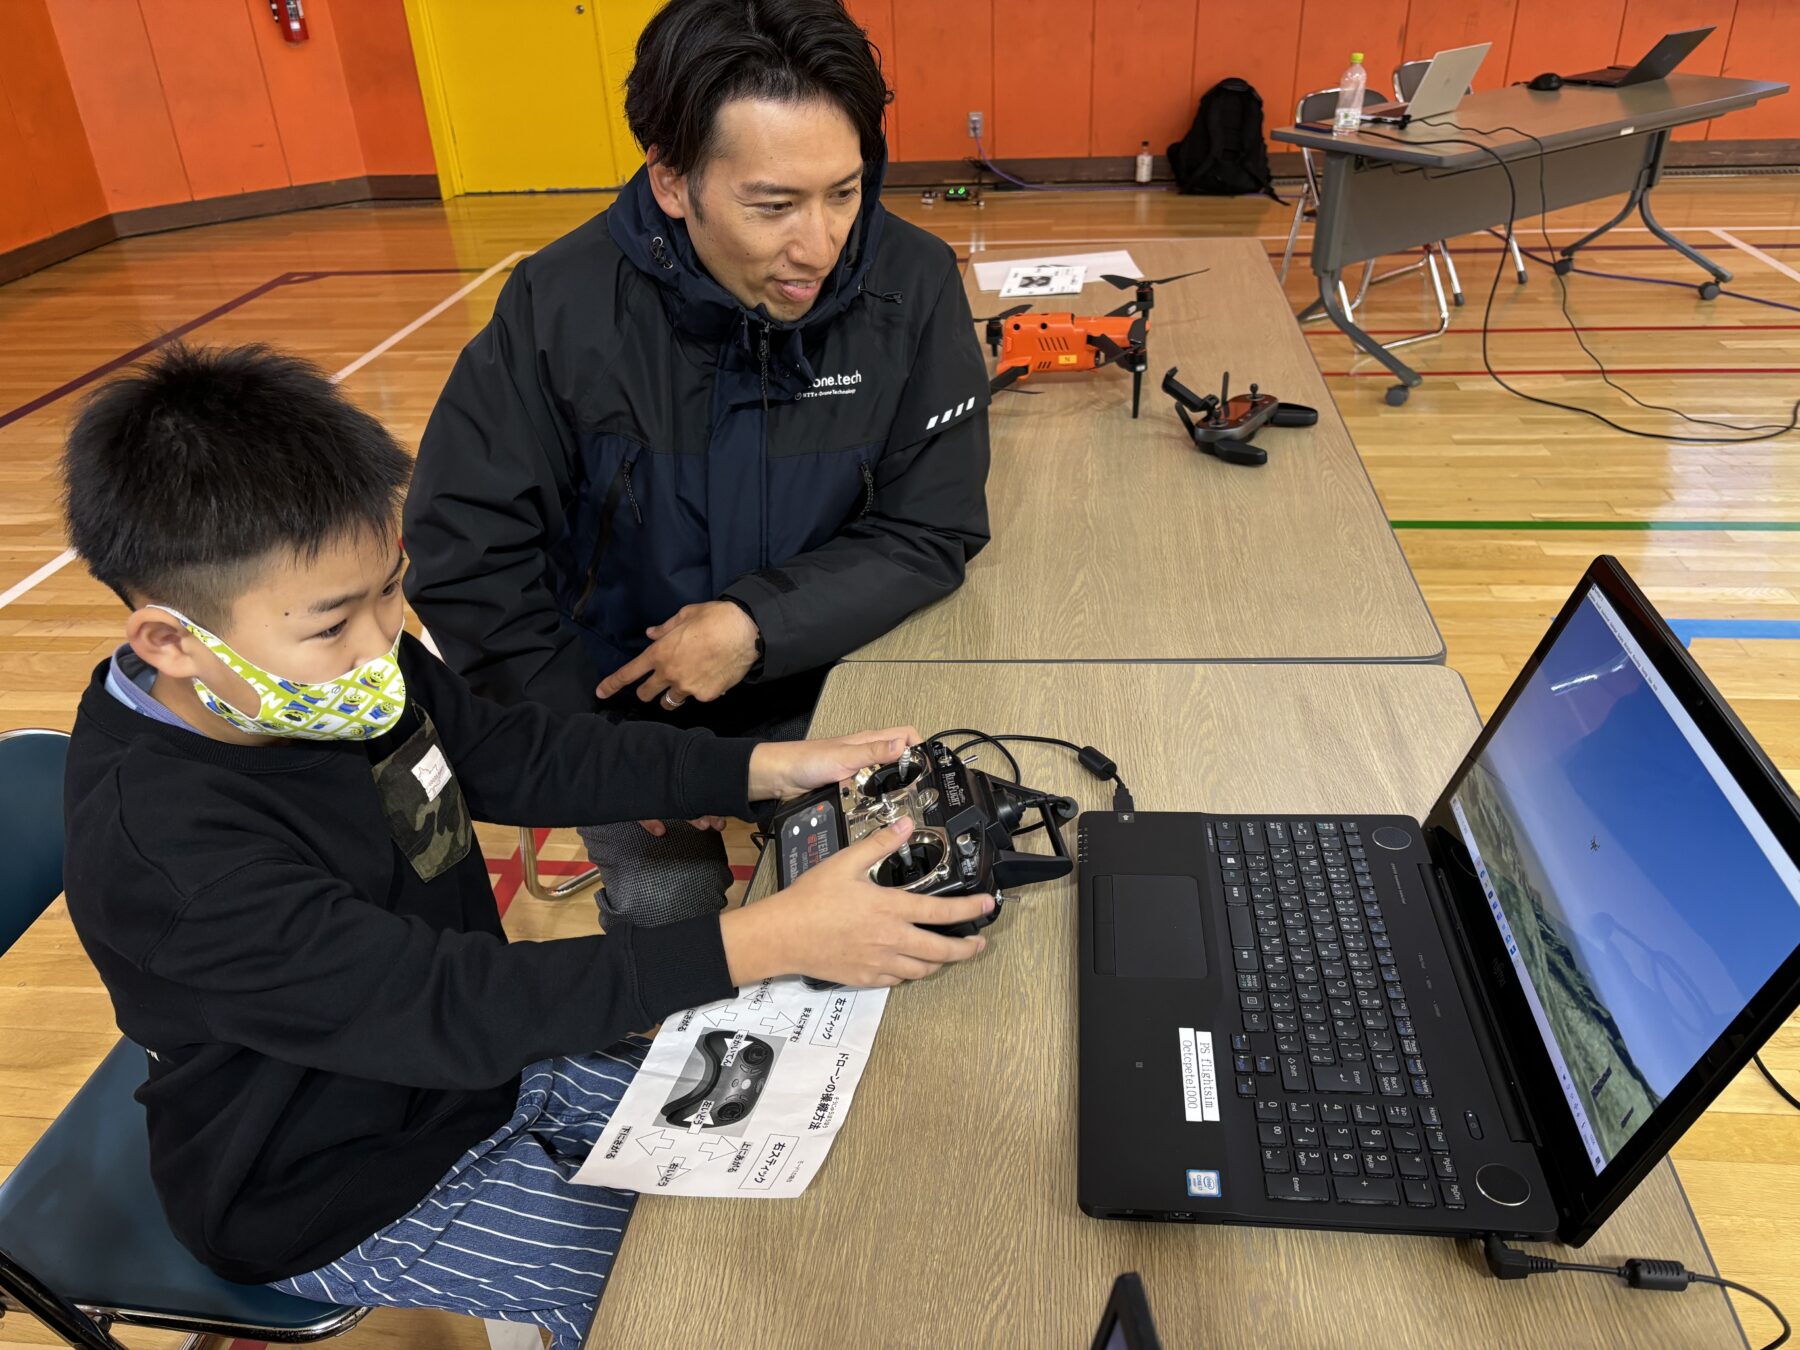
[[624, 438], [329, 1031]]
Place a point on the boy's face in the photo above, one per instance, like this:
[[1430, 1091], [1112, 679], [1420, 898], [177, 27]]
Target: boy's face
[[307, 620], [769, 212]]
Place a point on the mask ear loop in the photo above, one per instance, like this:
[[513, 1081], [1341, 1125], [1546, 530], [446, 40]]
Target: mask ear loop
[[200, 633]]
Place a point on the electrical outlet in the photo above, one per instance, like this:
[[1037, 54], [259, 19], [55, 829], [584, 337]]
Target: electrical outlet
[[974, 126]]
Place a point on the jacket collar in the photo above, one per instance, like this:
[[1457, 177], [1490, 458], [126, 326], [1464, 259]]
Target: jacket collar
[[701, 307]]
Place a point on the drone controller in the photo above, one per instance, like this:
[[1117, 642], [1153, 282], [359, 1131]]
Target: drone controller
[[1226, 424], [963, 826]]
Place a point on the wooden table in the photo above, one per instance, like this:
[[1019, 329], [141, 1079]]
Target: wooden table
[[1115, 539], [946, 1215], [1580, 144]]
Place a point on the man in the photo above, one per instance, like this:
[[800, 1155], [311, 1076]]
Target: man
[[725, 432]]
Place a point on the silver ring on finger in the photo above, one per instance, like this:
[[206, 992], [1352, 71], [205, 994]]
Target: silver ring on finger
[[670, 702]]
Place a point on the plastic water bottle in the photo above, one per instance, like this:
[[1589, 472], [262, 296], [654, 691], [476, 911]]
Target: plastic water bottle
[[1144, 162], [1350, 98]]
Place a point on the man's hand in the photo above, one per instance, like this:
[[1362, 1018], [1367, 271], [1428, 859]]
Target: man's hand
[[835, 924], [788, 768], [700, 653], [657, 829]]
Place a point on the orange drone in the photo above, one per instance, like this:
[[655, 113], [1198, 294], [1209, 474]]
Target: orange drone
[[1074, 342]]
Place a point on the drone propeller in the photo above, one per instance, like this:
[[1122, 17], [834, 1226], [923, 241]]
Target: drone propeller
[[1007, 378], [1109, 349], [1127, 283], [1006, 314]]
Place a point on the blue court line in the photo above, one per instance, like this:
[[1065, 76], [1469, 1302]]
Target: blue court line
[[1689, 629]]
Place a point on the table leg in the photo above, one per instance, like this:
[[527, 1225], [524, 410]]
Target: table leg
[[1329, 283], [1639, 200], [1708, 291], [1631, 203]]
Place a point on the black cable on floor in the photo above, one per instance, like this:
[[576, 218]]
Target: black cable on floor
[[1765, 431]]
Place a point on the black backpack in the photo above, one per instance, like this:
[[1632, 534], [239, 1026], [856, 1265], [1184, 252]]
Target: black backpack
[[1223, 154]]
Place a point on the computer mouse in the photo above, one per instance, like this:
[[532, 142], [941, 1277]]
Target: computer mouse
[[1547, 81]]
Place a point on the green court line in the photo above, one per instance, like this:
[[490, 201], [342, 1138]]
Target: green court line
[[1634, 525]]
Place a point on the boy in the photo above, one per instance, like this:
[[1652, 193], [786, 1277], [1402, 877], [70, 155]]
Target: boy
[[358, 1091]]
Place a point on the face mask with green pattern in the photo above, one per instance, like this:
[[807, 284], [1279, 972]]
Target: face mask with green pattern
[[358, 705]]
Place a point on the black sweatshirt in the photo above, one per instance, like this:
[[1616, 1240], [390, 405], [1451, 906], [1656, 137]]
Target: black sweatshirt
[[328, 1032]]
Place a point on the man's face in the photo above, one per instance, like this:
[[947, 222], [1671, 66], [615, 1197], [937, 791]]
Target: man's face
[[770, 210]]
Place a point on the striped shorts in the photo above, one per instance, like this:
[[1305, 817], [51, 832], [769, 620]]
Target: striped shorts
[[504, 1234]]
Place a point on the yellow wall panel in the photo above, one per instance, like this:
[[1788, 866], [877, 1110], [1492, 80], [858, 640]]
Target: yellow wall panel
[[521, 91], [619, 23]]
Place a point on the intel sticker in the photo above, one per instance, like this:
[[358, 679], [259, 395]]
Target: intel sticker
[[1203, 1183]]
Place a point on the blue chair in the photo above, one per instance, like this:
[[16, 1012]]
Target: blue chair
[[83, 1241]]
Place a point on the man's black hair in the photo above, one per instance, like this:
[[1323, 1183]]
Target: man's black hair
[[183, 474], [696, 55]]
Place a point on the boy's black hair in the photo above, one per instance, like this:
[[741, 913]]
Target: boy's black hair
[[695, 55], [183, 474]]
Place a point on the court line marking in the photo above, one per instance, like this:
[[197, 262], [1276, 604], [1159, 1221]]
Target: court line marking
[[981, 246], [1723, 526], [1381, 373], [1688, 630], [67, 556], [1756, 253], [86, 378]]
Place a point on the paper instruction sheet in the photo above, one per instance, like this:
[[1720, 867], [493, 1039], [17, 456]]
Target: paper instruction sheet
[[742, 1097], [1043, 280], [991, 276]]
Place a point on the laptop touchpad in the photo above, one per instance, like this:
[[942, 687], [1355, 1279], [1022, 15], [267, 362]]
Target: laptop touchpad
[[1156, 926]]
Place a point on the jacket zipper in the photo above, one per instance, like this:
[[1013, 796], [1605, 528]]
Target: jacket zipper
[[630, 496], [621, 484], [762, 360], [868, 476]]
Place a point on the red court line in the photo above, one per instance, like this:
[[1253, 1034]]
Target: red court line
[[1527, 244], [1329, 332], [1578, 370], [182, 330]]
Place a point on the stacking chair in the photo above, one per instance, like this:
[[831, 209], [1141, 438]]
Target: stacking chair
[[1406, 84], [1321, 106], [83, 1241]]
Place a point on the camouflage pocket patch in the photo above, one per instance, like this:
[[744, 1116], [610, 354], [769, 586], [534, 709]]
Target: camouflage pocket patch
[[423, 804]]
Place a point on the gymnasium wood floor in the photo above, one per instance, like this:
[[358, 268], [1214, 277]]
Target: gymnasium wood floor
[[1499, 505]]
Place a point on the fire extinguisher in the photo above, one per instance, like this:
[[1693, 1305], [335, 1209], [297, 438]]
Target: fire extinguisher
[[290, 18]]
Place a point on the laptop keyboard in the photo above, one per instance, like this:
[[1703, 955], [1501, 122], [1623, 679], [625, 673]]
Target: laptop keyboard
[[1343, 1097]]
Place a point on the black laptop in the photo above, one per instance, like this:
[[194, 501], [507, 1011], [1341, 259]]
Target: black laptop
[[1656, 64], [1498, 1019]]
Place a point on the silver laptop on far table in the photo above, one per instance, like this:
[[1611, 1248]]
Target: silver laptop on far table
[[1446, 81]]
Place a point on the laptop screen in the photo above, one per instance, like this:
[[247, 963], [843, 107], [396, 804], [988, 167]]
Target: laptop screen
[[1642, 900]]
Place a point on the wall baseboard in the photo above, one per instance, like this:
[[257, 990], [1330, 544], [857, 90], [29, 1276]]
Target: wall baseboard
[[66, 244], [1284, 164]]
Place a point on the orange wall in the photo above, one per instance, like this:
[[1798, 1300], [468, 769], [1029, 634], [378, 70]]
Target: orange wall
[[117, 105], [47, 177], [1071, 78]]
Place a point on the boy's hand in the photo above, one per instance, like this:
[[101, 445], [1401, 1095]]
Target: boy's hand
[[835, 924], [788, 768]]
